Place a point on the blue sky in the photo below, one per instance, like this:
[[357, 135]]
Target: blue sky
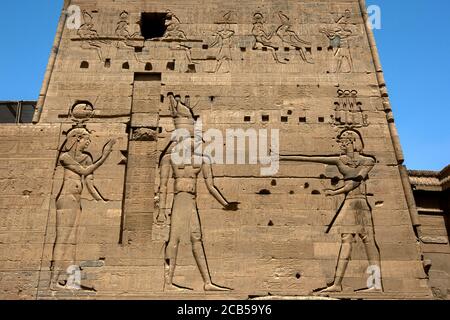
[[413, 44]]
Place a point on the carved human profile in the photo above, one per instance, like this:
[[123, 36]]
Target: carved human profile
[[354, 216]]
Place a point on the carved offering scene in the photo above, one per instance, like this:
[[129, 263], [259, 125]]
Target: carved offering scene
[[186, 150]]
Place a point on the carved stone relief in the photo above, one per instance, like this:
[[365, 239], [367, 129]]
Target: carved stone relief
[[348, 111], [79, 167], [339, 36], [174, 33], [183, 219], [283, 36], [223, 38], [89, 36], [354, 216], [124, 35]]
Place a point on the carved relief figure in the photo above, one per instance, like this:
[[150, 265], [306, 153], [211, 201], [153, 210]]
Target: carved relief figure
[[173, 27], [128, 38], [174, 33], [90, 36], [123, 28], [348, 111], [224, 39], [354, 217], [263, 38], [79, 168], [339, 37], [184, 219], [290, 37]]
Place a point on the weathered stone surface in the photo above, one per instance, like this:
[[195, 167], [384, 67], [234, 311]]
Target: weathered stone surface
[[93, 199]]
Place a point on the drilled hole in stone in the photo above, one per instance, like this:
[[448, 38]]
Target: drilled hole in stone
[[171, 65], [191, 68], [270, 224], [306, 185], [205, 47], [289, 112], [284, 119], [379, 204], [302, 119], [265, 118], [148, 66], [108, 63], [212, 98], [319, 48], [162, 99], [335, 181], [316, 192], [137, 49], [126, 66], [247, 119], [291, 192], [321, 119], [274, 183], [264, 192], [84, 65], [243, 49], [298, 275], [286, 49]]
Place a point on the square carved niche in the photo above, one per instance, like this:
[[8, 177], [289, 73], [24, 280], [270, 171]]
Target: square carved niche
[[153, 24]]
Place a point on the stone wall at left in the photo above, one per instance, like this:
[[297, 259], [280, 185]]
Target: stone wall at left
[[27, 162]]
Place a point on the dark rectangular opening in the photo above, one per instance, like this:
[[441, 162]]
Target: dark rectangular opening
[[153, 24], [171, 65], [247, 119], [321, 119], [284, 119], [302, 119], [17, 112], [148, 76], [265, 118]]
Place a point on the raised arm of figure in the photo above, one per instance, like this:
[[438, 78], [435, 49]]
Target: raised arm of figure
[[69, 163], [331, 160]]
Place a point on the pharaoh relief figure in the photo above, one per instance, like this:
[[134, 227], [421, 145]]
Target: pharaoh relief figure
[[339, 37], [354, 216], [129, 37], [79, 168], [284, 35], [184, 218], [175, 33], [90, 36], [223, 38]]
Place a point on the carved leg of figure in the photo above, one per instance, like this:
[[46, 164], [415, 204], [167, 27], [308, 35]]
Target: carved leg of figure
[[339, 64], [218, 65], [373, 255], [200, 258], [170, 264], [64, 251], [303, 56], [343, 260], [274, 54]]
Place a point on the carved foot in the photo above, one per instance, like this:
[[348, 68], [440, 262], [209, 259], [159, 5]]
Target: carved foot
[[333, 289], [369, 290], [214, 288], [176, 288]]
